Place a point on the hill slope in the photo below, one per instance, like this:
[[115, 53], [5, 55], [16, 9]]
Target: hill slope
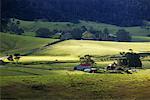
[[98, 48], [32, 26], [20, 44]]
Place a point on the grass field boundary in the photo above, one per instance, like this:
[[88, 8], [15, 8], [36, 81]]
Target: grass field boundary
[[42, 48]]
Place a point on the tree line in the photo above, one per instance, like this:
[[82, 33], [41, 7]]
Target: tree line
[[13, 26], [85, 34], [118, 12]]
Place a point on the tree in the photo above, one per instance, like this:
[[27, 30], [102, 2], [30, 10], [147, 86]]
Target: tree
[[56, 36], [18, 22], [14, 28], [105, 34], [106, 31], [43, 32], [83, 28], [66, 36], [98, 35], [77, 33], [19, 31], [130, 59], [145, 25], [123, 36], [75, 10], [54, 32], [133, 59]]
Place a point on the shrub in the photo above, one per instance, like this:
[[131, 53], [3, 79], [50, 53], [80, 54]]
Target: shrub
[[43, 32]]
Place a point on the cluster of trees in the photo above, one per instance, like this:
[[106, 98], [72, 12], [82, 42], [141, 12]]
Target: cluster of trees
[[83, 33], [130, 59], [12, 26], [75, 33], [43, 32], [118, 12], [146, 25]]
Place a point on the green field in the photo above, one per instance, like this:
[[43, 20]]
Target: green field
[[141, 38], [10, 44], [59, 82], [48, 74], [96, 48], [66, 50], [31, 26]]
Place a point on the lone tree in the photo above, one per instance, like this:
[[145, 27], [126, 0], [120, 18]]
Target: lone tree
[[133, 59], [130, 59], [123, 36]]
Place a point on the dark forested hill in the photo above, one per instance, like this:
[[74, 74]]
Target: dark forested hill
[[118, 12]]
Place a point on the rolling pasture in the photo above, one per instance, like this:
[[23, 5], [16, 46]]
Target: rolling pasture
[[48, 74], [69, 50], [77, 48]]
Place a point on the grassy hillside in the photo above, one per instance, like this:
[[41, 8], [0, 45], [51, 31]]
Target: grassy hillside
[[20, 44], [58, 81], [64, 51], [32, 26], [99, 48]]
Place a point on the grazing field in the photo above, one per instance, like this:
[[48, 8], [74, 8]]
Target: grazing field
[[32, 26], [10, 44], [69, 50], [58, 81], [96, 48], [48, 73]]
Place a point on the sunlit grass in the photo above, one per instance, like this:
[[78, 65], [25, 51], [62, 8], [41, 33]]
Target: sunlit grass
[[45, 58], [99, 48]]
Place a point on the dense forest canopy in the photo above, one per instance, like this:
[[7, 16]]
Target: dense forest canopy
[[118, 12]]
